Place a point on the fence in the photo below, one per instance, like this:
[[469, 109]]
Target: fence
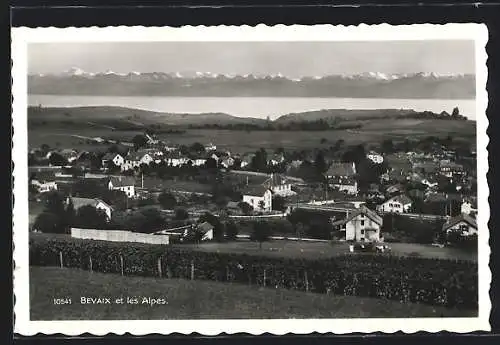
[[279, 215], [435, 282], [118, 236]]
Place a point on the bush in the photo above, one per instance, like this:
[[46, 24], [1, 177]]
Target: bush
[[405, 279]]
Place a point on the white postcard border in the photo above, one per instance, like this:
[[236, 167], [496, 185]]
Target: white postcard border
[[22, 36]]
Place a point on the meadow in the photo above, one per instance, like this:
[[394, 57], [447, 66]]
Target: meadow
[[200, 300], [55, 128]]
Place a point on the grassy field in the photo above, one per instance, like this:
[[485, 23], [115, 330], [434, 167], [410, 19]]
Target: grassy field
[[96, 124], [310, 250], [318, 250], [199, 300]]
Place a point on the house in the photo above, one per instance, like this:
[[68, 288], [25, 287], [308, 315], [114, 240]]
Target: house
[[394, 189], [450, 169], [210, 147], [69, 154], [197, 160], [276, 159], [360, 224], [135, 159], [397, 204], [151, 140], [468, 207], [227, 162], [375, 157], [98, 204], [44, 181], [125, 184], [279, 185], [341, 176], [463, 223], [170, 148], [175, 159], [116, 158], [207, 230], [259, 197], [425, 167]]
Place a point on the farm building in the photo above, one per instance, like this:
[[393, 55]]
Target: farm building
[[44, 181], [125, 184], [98, 204], [397, 204], [341, 177], [361, 224], [279, 185], [259, 197], [463, 223], [116, 158], [136, 159]]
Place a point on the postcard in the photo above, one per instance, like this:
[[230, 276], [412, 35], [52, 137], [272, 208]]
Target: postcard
[[285, 179]]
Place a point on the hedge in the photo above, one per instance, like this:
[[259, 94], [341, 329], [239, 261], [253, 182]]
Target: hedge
[[406, 279]]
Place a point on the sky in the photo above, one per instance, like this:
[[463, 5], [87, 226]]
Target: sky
[[292, 59]]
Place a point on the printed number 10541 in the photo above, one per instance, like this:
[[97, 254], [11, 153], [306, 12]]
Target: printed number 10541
[[62, 300]]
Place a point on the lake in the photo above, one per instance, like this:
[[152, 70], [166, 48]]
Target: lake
[[259, 107]]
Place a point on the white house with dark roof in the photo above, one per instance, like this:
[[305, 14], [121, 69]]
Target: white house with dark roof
[[396, 204], [116, 158], [96, 203], [257, 196], [279, 185], [375, 157], [175, 159], [44, 181], [361, 224], [341, 176], [125, 184], [135, 159], [469, 207], [463, 223]]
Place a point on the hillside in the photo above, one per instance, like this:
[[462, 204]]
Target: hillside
[[365, 85], [200, 300], [109, 115]]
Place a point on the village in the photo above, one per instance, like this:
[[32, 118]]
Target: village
[[422, 192]]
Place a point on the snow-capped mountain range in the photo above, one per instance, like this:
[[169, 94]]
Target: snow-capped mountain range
[[78, 72], [76, 81]]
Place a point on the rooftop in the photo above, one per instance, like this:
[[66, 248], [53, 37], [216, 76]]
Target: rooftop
[[461, 218], [341, 169]]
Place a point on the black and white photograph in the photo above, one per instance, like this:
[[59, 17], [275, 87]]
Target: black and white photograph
[[176, 180]]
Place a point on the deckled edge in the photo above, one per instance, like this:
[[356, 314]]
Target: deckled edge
[[257, 327]]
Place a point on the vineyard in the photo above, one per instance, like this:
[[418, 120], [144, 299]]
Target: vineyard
[[429, 281]]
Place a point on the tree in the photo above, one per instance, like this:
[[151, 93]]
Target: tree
[[231, 231], [455, 112], [245, 207], [48, 222], [153, 219], [211, 164], [278, 203], [181, 214], [167, 200], [139, 141], [387, 146], [261, 233], [320, 163], [197, 147], [55, 203], [90, 218], [56, 159]]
